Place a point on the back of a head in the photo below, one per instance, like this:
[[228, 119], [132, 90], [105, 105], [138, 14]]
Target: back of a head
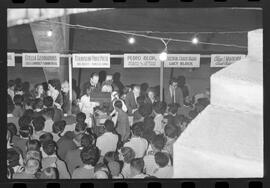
[[161, 159], [48, 112], [110, 156], [45, 137], [11, 83], [140, 100], [38, 123], [137, 129], [158, 141], [116, 76], [173, 108], [128, 154], [80, 117], [33, 154], [32, 166], [80, 127], [109, 125], [114, 167], [145, 110], [181, 80], [87, 140], [48, 101], [38, 104], [49, 147], [137, 164], [59, 126], [18, 99], [171, 131], [118, 104], [90, 155], [160, 107], [33, 145], [49, 173], [26, 131]]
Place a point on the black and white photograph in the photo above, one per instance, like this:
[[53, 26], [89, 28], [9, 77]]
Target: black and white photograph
[[134, 93]]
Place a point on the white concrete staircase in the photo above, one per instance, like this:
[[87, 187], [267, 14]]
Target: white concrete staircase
[[226, 139]]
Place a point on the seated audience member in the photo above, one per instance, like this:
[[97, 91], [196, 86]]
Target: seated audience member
[[89, 156], [51, 160], [18, 106], [122, 123], [48, 114], [57, 128], [107, 141], [164, 170], [38, 124], [136, 168], [73, 158], [126, 154], [159, 110], [115, 170], [25, 133], [48, 103], [31, 168], [49, 173], [137, 142], [14, 162]]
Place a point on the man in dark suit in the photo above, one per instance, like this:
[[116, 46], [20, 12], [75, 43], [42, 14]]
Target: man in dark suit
[[92, 83], [173, 93], [130, 100]]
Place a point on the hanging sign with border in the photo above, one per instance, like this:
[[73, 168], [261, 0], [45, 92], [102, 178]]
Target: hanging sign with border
[[141, 60], [91, 60], [41, 60], [182, 61], [223, 60], [11, 59]]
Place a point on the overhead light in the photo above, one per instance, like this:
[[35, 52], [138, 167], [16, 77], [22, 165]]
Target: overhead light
[[49, 33], [195, 40], [163, 56], [131, 40]]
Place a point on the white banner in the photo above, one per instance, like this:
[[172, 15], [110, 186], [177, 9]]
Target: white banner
[[40, 60], [11, 59], [141, 60], [223, 60], [182, 60], [91, 60]]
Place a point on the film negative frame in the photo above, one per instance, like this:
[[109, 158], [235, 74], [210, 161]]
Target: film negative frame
[[198, 183]]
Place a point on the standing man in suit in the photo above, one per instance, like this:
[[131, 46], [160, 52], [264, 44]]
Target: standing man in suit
[[92, 83], [131, 102], [173, 93]]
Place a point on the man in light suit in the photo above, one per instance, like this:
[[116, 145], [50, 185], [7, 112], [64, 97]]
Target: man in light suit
[[173, 93]]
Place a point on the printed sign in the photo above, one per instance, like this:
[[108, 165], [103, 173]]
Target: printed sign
[[223, 60], [182, 60], [91, 60], [141, 60], [10, 59], [40, 60]]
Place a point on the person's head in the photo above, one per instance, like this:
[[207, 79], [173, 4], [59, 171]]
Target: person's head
[[80, 128], [26, 132], [59, 126], [33, 154], [38, 104], [33, 145], [171, 131], [49, 173], [114, 168], [173, 82], [32, 166], [149, 124], [87, 140], [136, 90], [38, 123], [181, 80], [24, 121], [90, 155], [109, 125], [160, 107], [18, 100], [118, 105], [48, 113], [49, 147], [65, 87], [161, 159], [13, 158], [18, 90], [48, 101], [158, 142], [136, 166], [54, 84], [151, 93], [12, 128], [126, 154], [100, 174], [144, 87], [173, 108], [39, 89], [116, 77], [145, 110], [11, 84], [94, 78], [80, 117], [45, 137], [140, 100], [102, 76], [110, 156], [137, 129]]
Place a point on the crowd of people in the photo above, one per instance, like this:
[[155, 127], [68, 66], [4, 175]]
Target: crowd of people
[[108, 130]]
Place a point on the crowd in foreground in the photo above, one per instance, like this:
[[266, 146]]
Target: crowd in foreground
[[108, 131]]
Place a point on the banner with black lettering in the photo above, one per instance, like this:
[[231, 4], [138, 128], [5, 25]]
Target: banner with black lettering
[[182, 61], [40, 60], [91, 60], [141, 60], [223, 60]]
